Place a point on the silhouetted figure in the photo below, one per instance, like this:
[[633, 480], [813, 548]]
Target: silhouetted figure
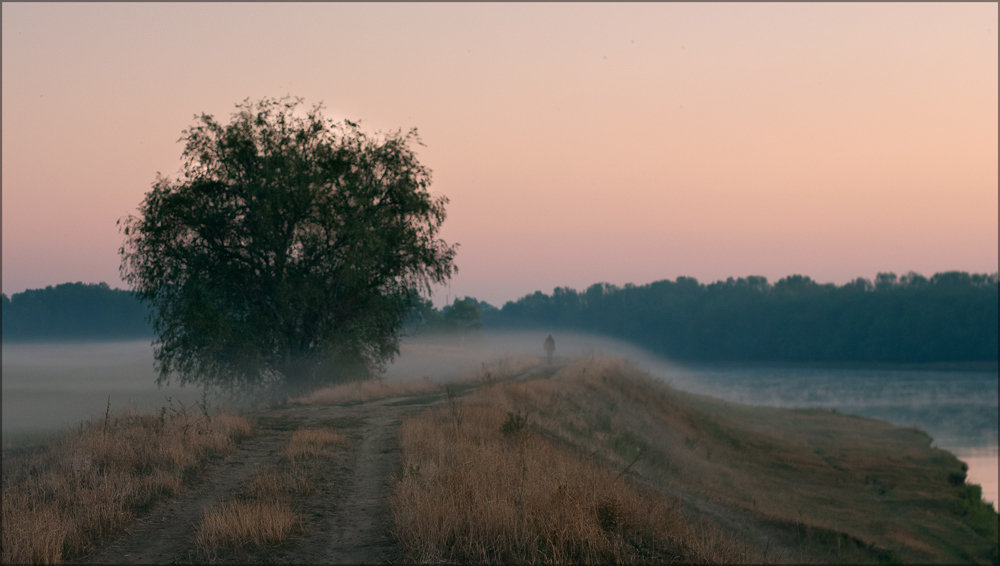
[[550, 347]]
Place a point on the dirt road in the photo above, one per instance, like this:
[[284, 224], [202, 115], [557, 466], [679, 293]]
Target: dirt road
[[346, 519]]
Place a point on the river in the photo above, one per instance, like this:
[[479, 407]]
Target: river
[[957, 408]]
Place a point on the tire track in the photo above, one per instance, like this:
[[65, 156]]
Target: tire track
[[362, 524], [166, 534], [348, 520]]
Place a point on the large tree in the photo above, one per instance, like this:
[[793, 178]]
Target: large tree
[[288, 250]]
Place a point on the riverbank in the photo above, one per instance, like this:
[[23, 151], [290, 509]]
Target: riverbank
[[735, 483]]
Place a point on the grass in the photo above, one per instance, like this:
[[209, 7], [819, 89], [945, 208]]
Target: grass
[[267, 512], [503, 368], [279, 484], [61, 499], [361, 391], [240, 523], [589, 461], [600, 462], [311, 442], [492, 490]]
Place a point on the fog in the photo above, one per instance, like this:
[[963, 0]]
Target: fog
[[957, 408], [449, 356], [50, 386]]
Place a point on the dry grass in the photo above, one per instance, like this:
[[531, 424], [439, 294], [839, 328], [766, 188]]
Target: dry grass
[[289, 482], [61, 499], [847, 488], [360, 391], [240, 523], [492, 491], [32, 534], [506, 368], [311, 442], [757, 484], [497, 370], [266, 513]]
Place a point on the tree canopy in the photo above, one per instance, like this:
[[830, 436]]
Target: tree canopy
[[287, 252]]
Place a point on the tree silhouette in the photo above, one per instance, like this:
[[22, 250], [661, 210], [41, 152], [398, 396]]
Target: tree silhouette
[[461, 316], [950, 317], [74, 311], [288, 252]]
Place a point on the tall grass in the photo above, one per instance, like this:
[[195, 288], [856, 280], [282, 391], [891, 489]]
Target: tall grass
[[489, 489], [61, 499], [584, 466]]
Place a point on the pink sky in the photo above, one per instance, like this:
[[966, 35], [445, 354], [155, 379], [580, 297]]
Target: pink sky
[[578, 143]]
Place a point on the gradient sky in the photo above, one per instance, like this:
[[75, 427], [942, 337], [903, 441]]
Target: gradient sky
[[578, 143]]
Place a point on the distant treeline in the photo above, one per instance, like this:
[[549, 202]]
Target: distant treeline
[[74, 311], [951, 317], [462, 316]]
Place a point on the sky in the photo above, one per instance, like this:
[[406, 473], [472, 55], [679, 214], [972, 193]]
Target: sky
[[577, 142]]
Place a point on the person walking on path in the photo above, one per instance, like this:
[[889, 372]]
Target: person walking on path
[[550, 347]]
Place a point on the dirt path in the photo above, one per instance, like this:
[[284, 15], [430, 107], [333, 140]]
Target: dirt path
[[164, 535], [346, 520], [362, 523]]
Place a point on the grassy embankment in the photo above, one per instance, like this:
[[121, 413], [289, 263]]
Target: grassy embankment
[[600, 463], [62, 499], [587, 462]]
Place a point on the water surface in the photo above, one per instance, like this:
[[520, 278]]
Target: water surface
[[957, 408]]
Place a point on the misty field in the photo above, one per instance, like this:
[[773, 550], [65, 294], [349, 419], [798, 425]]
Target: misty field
[[49, 386], [477, 450]]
